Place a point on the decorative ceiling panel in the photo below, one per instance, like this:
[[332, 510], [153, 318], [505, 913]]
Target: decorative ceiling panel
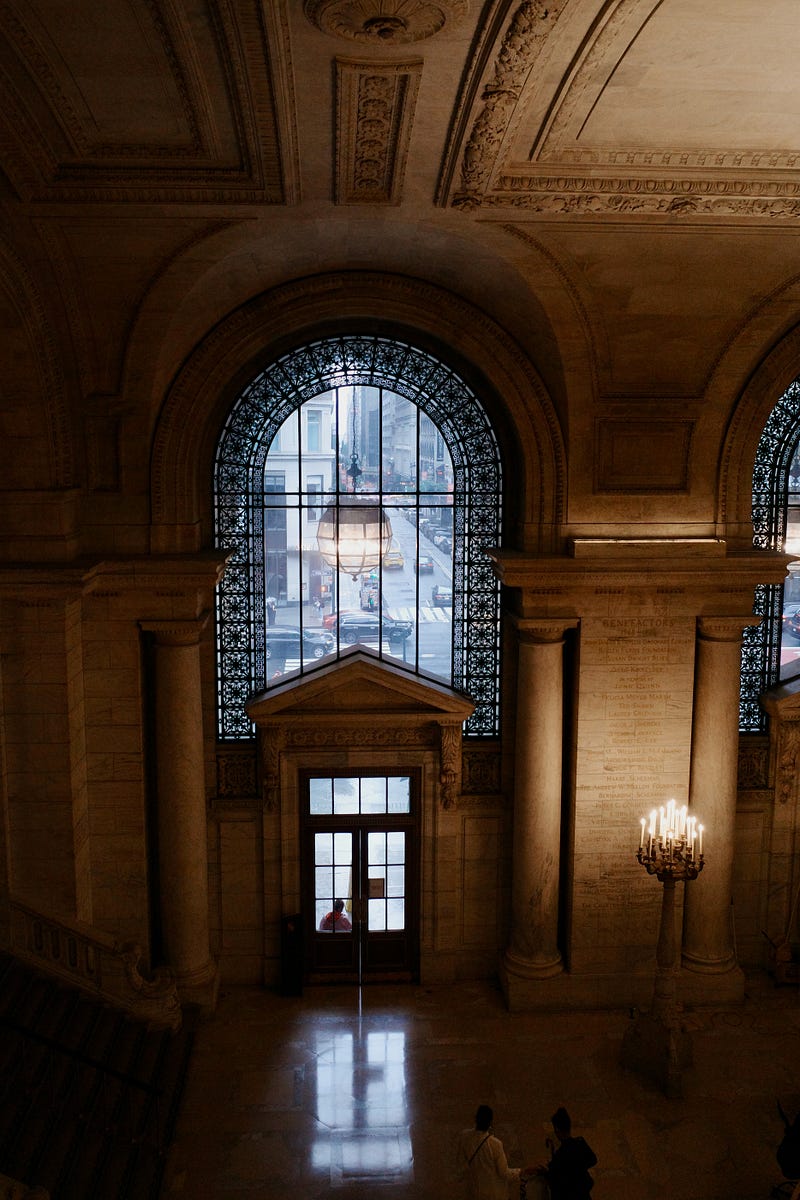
[[387, 22], [374, 116], [145, 100], [631, 107]]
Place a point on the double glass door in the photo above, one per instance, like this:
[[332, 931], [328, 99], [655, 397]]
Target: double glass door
[[360, 878]]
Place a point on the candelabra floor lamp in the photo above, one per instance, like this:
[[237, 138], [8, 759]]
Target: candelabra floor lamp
[[654, 1044]]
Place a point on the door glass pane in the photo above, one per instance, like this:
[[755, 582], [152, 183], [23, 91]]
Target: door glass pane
[[369, 794], [386, 880], [345, 796], [396, 847], [377, 847], [377, 916], [320, 797], [395, 914], [399, 794], [333, 876], [395, 881], [373, 795]]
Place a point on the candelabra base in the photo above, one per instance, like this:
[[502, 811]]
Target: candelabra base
[[659, 1049]]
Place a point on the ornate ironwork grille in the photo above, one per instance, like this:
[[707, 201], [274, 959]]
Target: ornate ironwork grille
[[772, 498], [247, 508]]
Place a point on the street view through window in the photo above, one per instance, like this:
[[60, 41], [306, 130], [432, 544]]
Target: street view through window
[[370, 442], [790, 637]]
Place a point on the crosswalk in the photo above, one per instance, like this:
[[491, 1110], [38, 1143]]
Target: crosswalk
[[425, 612]]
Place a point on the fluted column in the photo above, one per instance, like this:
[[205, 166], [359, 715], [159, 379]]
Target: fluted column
[[182, 828], [708, 947], [533, 952]]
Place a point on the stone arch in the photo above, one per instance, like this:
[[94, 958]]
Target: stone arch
[[779, 367], [462, 335]]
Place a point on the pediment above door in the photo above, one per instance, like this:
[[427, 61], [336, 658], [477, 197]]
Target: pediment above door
[[360, 685], [361, 703]]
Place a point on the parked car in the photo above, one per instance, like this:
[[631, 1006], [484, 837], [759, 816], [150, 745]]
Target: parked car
[[368, 627], [441, 597], [424, 564], [284, 641], [791, 622]]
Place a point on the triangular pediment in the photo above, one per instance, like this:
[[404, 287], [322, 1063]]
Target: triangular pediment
[[360, 685]]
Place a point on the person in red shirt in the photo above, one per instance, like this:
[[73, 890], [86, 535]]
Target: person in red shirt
[[336, 920]]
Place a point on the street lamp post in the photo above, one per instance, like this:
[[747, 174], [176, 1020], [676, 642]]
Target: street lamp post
[[671, 848]]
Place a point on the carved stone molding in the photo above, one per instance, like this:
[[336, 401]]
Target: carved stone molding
[[753, 763], [384, 22], [561, 177], [450, 764], [272, 742], [522, 44], [651, 195], [236, 772], [374, 117], [787, 761], [480, 772], [724, 629]]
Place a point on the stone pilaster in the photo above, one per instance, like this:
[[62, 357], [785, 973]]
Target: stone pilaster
[[182, 825], [533, 954], [711, 973]]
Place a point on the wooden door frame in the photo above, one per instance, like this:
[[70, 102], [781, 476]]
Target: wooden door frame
[[409, 823]]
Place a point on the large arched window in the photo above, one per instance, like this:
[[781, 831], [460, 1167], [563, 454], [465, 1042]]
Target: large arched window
[[771, 650], [387, 421]]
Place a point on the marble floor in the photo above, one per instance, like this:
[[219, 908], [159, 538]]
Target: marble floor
[[355, 1093]]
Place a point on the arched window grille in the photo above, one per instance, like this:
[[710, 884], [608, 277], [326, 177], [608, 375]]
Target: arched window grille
[[771, 650], [336, 396]]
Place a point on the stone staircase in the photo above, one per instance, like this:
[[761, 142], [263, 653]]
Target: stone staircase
[[88, 1095]]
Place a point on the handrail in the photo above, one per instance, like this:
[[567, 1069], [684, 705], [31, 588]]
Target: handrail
[[92, 960], [86, 1059]]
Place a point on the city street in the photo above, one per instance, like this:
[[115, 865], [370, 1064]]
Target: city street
[[430, 645]]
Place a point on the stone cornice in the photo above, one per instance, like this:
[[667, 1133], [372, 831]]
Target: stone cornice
[[646, 195], [673, 565], [177, 573]]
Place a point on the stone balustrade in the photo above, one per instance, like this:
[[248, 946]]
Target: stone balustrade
[[93, 961]]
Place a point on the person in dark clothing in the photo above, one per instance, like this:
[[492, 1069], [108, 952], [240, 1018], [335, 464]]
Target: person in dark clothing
[[567, 1173]]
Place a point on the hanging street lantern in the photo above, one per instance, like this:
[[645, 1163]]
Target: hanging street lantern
[[354, 534]]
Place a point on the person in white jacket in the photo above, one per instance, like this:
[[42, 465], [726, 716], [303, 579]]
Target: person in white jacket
[[482, 1159]]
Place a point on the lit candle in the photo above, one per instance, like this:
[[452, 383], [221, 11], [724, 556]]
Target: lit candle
[[641, 835], [661, 820], [684, 814], [700, 845]]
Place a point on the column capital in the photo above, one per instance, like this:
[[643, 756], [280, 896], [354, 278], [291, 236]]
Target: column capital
[[176, 633], [541, 630], [725, 629]]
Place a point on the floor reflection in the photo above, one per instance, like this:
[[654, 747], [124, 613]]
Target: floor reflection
[[364, 1097], [359, 1086]]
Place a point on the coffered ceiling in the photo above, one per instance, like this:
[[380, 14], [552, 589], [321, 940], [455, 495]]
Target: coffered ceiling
[[633, 163]]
